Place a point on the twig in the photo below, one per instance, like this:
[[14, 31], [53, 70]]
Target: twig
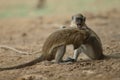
[[14, 49]]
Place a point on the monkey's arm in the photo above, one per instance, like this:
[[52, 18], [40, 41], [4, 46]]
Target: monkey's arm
[[75, 56], [76, 53]]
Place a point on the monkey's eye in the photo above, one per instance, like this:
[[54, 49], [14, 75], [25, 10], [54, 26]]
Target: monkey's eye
[[79, 19]]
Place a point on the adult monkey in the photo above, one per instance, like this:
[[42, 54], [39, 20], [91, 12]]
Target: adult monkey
[[93, 46], [55, 45]]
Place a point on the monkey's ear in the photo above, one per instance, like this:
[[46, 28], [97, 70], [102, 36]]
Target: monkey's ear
[[84, 18]]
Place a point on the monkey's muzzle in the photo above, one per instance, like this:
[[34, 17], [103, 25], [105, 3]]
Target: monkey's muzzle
[[79, 25]]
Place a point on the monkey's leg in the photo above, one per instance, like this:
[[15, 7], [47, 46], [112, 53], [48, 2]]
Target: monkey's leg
[[60, 53], [93, 49], [88, 50], [92, 54]]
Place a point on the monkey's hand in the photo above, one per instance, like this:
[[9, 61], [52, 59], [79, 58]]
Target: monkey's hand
[[69, 59]]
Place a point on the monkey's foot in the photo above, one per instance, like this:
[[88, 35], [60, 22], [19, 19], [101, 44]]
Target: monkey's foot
[[69, 59]]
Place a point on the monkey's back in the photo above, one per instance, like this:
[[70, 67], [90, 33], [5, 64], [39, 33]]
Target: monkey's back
[[64, 37]]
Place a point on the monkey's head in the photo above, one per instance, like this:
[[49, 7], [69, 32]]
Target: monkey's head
[[78, 20]]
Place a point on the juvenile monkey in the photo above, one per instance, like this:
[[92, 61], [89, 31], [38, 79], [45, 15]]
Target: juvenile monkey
[[55, 45], [92, 47]]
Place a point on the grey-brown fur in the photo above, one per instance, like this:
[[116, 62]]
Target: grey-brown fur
[[56, 42], [93, 43]]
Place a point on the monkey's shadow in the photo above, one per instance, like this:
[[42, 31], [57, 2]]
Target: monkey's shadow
[[84, 57], [113, 56]]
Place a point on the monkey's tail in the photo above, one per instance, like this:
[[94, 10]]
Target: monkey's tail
[[41, 58]]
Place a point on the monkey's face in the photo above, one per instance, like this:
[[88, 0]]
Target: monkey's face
[[79, 20]]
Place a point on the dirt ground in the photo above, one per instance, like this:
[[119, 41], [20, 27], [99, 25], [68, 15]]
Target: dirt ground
[[29, 34]]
